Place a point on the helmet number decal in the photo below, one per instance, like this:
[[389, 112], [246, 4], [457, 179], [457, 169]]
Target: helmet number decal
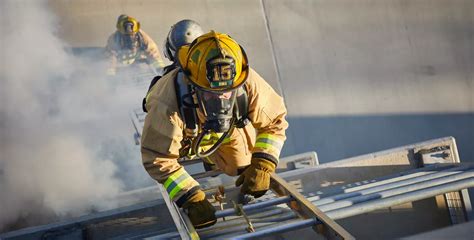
[[220, 73]]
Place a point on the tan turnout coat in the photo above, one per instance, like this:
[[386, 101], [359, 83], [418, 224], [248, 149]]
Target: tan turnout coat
[[163, 132], [116, 57]]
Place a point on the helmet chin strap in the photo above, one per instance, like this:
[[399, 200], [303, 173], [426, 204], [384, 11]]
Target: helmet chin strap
[[214, 147]]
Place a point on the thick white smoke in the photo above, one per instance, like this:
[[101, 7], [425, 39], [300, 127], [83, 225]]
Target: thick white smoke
[[56, 113]]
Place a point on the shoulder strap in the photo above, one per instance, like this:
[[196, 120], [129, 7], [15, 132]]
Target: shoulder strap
[[166, 70], [242, 110], [186, 105], [153, 82]]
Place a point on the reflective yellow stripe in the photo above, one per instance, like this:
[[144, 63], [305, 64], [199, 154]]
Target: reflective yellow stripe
[[127, 62], [212, 138], [267, 146], [208, 141], [178, 181], [268, 136], [267, 141], [127, 59], [186, 182], [173, 177]]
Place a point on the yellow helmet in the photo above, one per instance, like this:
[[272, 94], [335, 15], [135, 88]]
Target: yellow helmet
[[214, 62], [127, 24]]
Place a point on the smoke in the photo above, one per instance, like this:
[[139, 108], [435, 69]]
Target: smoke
[[62, 123]]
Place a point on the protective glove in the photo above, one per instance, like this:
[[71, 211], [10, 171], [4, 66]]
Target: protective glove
[[199, 210], [255, 180]]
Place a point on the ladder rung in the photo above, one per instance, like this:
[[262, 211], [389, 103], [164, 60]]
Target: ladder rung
[[298, 224], [254, 206]]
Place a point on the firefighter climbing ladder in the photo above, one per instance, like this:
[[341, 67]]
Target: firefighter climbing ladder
[[262, 218]]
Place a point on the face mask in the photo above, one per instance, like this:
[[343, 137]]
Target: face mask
[[217, 107]]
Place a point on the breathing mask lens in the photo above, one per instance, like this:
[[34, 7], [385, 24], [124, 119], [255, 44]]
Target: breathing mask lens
[[217, 107], [128, 27]]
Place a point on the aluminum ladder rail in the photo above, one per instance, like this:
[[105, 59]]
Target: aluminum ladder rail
[[307, 210], [273, 221], [409, 186]]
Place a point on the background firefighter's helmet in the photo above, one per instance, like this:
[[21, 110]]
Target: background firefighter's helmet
[[182, 33], [214, 62], [127, 24]]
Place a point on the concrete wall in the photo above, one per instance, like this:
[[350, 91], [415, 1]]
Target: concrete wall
[[88, 23], [357, 76], [365, 75]]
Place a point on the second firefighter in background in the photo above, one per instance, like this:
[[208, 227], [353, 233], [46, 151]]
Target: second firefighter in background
[[129, 44], [215, 70]]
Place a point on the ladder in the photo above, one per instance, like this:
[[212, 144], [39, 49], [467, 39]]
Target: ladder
[[281, 210]]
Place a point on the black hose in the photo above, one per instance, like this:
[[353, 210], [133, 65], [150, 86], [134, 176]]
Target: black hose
[[215, 146]]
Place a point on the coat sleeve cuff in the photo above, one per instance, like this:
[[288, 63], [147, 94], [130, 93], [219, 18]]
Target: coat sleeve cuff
[[266, 156], [179, 183]]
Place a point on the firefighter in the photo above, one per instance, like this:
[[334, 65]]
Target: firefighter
[[215, 107], [129, 44], [181, 33]]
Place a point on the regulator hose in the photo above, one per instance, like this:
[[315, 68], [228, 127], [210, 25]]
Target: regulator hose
[[214, 147]]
